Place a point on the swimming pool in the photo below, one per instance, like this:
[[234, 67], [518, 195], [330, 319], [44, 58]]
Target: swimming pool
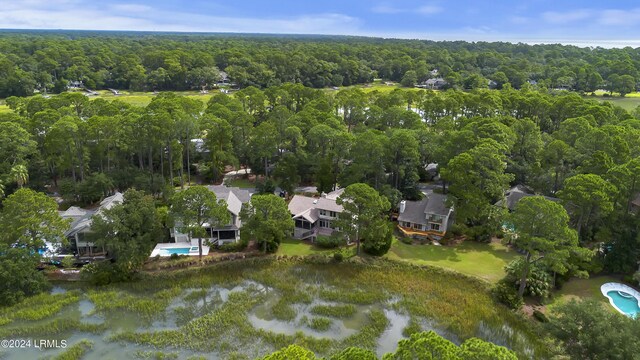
[[168, 249], [623, 298]]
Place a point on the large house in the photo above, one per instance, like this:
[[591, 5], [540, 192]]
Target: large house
[[513, 196], [427, 218], [81, 220], [434, 84], [235, 198], [315, 216]]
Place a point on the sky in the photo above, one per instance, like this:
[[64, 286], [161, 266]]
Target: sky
[[612, 23]]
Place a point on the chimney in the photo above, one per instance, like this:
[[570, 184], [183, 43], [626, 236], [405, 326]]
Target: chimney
[[403, 205]]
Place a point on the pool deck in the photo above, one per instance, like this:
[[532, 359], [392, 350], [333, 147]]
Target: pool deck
[[605, 288], [157, 251]]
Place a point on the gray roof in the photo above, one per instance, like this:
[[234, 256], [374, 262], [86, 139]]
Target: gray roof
[[513, 196], [307, 207], [417, 211], [82, 218], [234, 196]]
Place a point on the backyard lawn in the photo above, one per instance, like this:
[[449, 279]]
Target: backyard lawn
[[582, 289], [293, 247], [485, 261], [241, 183]]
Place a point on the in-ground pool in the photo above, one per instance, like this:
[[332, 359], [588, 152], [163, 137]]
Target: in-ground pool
[[179, 251], [623, 298], [168, 249]]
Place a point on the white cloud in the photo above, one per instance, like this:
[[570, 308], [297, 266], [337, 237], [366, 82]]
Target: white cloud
[[430, 9], [386, 9], [561, 18], [131, 8], [144, 18], [617, 17]]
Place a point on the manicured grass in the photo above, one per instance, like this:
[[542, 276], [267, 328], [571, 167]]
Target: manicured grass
[[629, 102], [144, 98], [580, 289], [242, 183], [485, 261], [294, 247]]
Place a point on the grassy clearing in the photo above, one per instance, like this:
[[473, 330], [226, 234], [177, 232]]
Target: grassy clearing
[[580, 289], [485, 261], [292, 247], [242, 183], [146, 307]]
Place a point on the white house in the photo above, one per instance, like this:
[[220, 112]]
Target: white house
[[315, 216]]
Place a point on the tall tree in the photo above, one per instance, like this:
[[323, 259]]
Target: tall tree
[[543, 233], [363, 216], [588, 197], [129, 231], [267, 220], [195, 206], [30, 218]]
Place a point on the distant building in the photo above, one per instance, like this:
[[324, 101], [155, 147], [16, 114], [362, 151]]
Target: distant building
[[434, 84], [75, 84], [492, 84], [515, 194], [315, 216], [427, 218]]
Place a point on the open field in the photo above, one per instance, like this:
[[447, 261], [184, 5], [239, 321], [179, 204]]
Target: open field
[[485, 261], [244, 309]]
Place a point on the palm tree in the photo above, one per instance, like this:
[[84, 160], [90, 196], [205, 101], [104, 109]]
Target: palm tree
[[20, 175]]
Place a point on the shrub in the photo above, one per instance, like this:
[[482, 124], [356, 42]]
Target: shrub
[[505, 292], [338, 257], [174, 256], [407, 240], [328, 242], [540, 316], [68, 262], [104, 273], [234, 246]]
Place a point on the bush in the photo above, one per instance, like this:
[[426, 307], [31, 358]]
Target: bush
[[540, 316], [174, 256], [505, 292], [234, 246], [338, 257], [104, 273], [328, 242], [406, 240], [68, 262]]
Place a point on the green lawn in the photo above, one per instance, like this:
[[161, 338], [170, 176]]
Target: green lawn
[[485, 261], [293, 247], [582, 289], [629, 102], [241, 183], [144, 98]]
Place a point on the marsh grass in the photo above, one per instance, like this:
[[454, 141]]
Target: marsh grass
[[155, 355], [358, 288], [38, 307], [336, 311], [76, 351], [320, 323], [148, 307]]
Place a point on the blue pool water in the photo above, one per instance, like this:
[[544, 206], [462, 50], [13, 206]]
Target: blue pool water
[[628, 305], [179, 251]]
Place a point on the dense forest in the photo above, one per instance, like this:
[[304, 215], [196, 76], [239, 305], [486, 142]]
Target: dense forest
[[47, 62], [584, 152]]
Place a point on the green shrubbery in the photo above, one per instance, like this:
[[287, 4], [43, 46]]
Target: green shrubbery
[[329, 242]]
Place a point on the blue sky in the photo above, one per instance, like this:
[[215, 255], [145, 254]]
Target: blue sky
[[587, 22]]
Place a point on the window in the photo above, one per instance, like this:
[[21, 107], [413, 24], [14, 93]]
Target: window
[[435, 227], [323, 212], [417, 226], [325, 224], [333, 214]]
